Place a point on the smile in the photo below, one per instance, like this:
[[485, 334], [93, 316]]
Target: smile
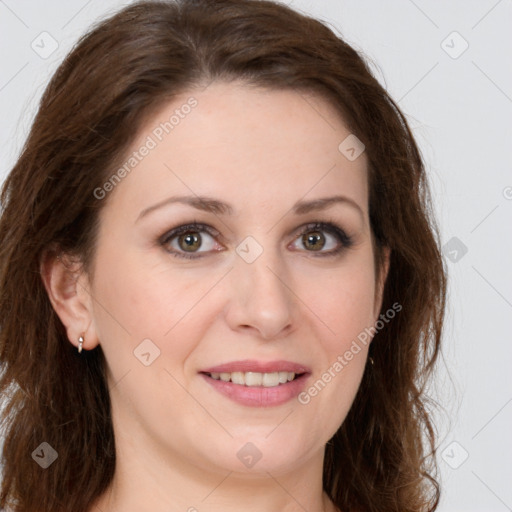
[[258, 384], [255, 379]]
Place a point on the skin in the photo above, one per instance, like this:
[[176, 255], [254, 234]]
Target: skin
[[176, 437]]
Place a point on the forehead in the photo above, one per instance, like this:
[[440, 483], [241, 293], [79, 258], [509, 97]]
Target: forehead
[[247, 145]]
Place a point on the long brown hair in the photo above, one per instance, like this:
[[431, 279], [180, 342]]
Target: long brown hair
[[382, 458]]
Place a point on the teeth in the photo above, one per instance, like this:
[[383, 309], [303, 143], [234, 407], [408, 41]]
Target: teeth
[[270, 379], [238, 378], [254, 379], [283, 377]]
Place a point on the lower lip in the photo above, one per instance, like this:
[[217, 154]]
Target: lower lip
[[259, 396]]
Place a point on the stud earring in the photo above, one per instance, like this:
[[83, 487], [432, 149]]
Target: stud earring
[[80, 343]]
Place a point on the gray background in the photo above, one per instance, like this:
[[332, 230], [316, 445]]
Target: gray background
[[459, 104]]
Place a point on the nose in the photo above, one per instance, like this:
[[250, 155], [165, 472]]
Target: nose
[[261, 298]]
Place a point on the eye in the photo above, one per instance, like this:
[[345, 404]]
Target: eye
[[313, 238], [185, 241]]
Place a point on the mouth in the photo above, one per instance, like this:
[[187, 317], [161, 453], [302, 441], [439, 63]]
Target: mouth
[[258, 384], [255, 379]]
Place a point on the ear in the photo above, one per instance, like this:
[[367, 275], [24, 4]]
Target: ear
[[68, 288], [383, 274]]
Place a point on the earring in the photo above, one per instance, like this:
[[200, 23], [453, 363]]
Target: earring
[[372, 362], [80, 343]]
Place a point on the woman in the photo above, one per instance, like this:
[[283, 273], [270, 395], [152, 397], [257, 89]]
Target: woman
[[220, 278]]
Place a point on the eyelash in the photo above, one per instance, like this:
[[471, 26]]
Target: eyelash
[[345, 240]]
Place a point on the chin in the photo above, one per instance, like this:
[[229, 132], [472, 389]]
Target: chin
[[260, 455]]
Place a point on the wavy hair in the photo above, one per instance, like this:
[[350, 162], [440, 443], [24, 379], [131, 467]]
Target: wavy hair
[[383, 457]]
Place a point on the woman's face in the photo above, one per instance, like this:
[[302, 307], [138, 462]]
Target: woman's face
[[254, 286]]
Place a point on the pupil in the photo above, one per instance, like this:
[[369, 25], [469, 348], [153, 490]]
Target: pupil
[[313, 239], [191, 241]]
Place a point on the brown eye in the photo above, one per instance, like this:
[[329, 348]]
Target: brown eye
[[313, 240], [324, 239], [189, 242]]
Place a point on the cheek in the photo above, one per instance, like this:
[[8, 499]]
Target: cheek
[[346, 307], [343, 301], [146, 300], [139, 300]]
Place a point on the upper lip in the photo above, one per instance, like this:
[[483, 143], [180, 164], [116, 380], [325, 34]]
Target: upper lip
[[248, 365]]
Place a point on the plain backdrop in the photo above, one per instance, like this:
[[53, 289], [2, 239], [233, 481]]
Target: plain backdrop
[[448, 64]]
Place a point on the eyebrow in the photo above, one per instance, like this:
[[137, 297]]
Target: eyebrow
[[211, 205]]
